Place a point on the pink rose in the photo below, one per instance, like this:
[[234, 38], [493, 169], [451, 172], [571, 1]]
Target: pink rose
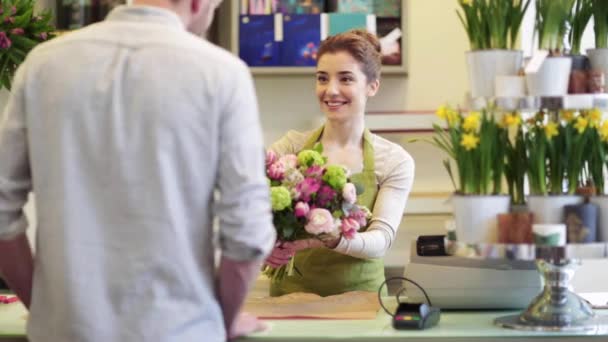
[[17, 31], [349, 193], [319, 221], [308, 187], [360, 216], [325, 195], [43, 36], [349, 228], [289, 160], [301, 209], [276, 171], [271, 157], [314, 171]]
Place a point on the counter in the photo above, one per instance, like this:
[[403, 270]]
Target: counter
[[454, 326]]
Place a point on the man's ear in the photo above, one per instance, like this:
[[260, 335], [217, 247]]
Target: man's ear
[[195, 6]]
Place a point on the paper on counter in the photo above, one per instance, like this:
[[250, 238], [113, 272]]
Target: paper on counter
[[349, 305]]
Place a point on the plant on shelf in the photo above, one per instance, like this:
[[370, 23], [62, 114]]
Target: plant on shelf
[[552, 24], [474, 143], [578, 20], [600, 25], [595, 153], [492, 24], [515, 157], [20, 31]]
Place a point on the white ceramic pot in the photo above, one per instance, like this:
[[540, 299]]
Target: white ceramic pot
[[550, 209], [484, 65], [475, 217], [551, 79]]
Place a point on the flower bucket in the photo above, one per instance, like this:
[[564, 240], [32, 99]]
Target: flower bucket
[[602, 223], [550, 209], [476, 217], [598, 59], [581, 222], [551, 79], [515, 227], [484, 65]]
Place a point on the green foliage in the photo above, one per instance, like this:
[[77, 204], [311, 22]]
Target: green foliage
[[600, 18], [20, 31], [492, 24], [552, 23], [579, 18]]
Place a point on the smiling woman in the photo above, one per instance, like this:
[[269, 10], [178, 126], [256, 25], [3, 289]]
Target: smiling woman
[[348, 73]]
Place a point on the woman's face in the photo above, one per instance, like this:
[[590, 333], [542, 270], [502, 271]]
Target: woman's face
[[342, 87]]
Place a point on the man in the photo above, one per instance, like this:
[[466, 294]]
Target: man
[[124, 130]]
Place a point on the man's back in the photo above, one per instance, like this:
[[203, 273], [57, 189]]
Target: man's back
[[131, 125]]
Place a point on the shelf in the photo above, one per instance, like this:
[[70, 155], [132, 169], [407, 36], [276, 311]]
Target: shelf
[[535, 103], [230, 39]]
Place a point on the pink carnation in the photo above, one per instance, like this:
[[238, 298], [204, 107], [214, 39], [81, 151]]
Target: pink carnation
[[360, 216], [308, 187], [276, 171], [271, 157], [301, 209], [43, 36], [319, 221], [5, 42], [326, 194], [349, 193], [289, 160], [349, 228], [314, 171], [17, 31]]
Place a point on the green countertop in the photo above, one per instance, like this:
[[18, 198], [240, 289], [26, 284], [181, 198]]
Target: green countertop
[[454, 326]]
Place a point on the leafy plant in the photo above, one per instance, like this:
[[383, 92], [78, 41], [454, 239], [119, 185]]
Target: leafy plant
[[579, 18], [473, 143], [492, 24], [551, 23], [516, 159], [600, 18], [20, 31]]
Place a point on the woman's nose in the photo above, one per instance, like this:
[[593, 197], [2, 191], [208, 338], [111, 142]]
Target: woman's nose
[[332, 88]]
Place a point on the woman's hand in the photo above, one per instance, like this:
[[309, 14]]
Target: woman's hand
[[280, 255]]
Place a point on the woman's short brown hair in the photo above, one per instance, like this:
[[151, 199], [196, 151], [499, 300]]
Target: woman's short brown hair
[[362, 45]]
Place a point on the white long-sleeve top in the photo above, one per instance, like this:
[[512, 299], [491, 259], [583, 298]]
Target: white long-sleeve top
[[394, 169], [124, 130]]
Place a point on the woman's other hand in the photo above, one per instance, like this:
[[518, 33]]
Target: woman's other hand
[[245, 324], [280, 255]]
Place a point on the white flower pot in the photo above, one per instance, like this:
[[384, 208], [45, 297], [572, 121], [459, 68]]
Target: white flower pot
[[475, 217], [550, 209], [551, 79], [510, 86], [602, 221], [484, 65], [598, 58]]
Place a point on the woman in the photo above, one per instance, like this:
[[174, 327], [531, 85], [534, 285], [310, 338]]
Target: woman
[[348, 73]]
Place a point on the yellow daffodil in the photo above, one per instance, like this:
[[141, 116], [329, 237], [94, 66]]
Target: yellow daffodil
[[568, 115], [509, 120], [469, 141], [466, 2], [595, 116], [471, 122], [551, 130], [604, 131], [581, 124], [442, 112], [453, 117]]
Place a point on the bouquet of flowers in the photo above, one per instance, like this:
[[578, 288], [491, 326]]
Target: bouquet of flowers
[[20, 31], [311, 199]]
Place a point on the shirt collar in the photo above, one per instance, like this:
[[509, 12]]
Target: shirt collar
[[146, 14]]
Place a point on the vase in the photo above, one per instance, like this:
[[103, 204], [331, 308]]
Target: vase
[[551, 79], [550, 209], [515, 227], [484, 65], [476, 216]]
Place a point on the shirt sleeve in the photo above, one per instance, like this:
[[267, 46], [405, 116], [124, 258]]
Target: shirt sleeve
[[290, 143], [386, 215], [243, 208], [15, 176]]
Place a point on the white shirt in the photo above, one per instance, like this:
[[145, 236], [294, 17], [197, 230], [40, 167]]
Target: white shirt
[[394, 170], [124, 130]]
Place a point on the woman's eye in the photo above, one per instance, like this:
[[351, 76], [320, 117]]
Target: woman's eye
[[321, 79], [347, 79]]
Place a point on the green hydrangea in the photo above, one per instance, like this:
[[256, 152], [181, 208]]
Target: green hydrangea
[[309, 158], [279, 198], [335, 176]]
